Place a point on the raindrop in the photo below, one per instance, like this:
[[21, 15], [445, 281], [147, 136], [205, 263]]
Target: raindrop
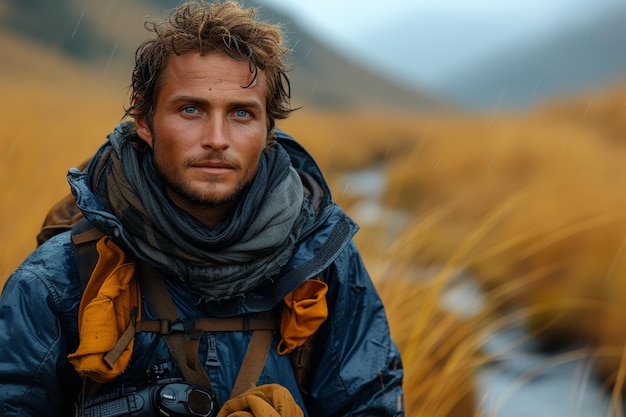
[[80, 19], [490, 163], [587, 109], [543, 75], [106, 67], [307, 54]]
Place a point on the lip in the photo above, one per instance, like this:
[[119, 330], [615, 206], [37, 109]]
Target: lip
[[214, 167]]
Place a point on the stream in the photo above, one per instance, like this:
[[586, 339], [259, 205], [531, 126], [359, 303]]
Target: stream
[[526, 382], [523, 381]]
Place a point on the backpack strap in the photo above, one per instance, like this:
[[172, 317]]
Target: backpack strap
[[84, 237], [253, 362], [184, 344], [207, 324], [301, 363], [160, 302]]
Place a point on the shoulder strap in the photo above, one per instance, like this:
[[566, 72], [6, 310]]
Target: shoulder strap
[[84, 237], [253, 362], [184, 345], [301, 363], [159, 301]]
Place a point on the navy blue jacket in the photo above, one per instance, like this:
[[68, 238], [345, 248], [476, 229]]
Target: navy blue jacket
[[357, 367]]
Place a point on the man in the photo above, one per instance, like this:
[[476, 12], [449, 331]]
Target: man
[[200, 193]]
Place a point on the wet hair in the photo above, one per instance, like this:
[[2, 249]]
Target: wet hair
[[201, 27]]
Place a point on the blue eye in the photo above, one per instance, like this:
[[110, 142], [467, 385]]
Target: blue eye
[[241, 113], [189, 110]]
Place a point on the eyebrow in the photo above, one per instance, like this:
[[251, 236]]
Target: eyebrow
[[247, 104], [203, 102], [188, 99]]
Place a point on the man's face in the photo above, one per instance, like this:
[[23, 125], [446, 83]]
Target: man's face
[[208, 131]]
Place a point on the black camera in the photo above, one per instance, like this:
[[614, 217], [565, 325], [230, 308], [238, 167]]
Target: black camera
[[166, 397]]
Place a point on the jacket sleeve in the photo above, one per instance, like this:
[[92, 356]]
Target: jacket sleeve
[[358, 366], [35, 376]]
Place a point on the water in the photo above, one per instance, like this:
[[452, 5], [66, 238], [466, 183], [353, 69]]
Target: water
[[522, 381], [368, 186], [527, 382]]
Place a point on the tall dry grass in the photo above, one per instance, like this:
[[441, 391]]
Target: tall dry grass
[[54, 114], [564, 237]]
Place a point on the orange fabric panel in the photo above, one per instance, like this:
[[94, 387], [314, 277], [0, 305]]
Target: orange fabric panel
[[105, 312], [304, 312]]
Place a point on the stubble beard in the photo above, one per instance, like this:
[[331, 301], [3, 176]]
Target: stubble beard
[[197, 198]]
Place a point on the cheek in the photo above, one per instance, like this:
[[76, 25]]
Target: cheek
[[163, 153], [250, 159], [255, 155]]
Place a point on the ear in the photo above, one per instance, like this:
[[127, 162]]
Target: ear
[[143, 130]]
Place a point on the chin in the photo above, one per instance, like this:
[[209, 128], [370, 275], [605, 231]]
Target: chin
[[218, 198]]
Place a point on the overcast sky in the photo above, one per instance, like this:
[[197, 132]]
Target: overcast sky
[[346, 18], [448, 34]]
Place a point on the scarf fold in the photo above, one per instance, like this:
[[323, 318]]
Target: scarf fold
[[218, 264]]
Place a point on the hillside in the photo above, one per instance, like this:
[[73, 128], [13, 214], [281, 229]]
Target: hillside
[[105, 35]]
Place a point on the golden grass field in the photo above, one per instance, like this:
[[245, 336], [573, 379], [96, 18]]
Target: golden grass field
[[532, 206]]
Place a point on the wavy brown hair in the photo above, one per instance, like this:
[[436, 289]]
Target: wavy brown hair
[[207, 27]]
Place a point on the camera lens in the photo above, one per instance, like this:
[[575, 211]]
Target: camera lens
[[200, 403], [180, 399]]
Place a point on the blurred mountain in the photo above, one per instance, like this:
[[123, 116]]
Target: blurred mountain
[[104, 34], [507, 56], [53, 24], [583, 57]]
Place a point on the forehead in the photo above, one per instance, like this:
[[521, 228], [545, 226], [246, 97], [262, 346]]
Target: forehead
[[213, 71]]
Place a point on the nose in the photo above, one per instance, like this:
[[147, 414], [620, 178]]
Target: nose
[[215, 134]]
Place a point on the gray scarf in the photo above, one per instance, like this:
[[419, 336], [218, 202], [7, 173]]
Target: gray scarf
[[240, 254]]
